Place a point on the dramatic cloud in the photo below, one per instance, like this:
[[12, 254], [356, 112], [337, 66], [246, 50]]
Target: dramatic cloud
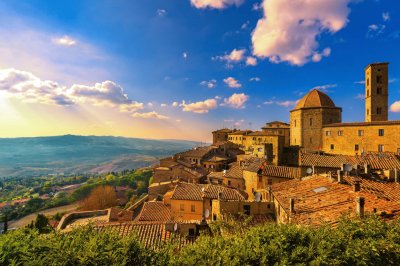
[[289, 30], [251, 61], [27, 87], [255, 79], [150, 115], [232, 83], [395, 107], [237, 101], [210, 84], [65, 41], [200, 107], [233, 57], [217, 4]]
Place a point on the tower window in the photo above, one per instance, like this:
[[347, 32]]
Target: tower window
[[356, 147], [295, 123], [379, 110], [310, 122], [381, 132], [340, 133], [367, 111], [327, 133], [379, 79], [381, 148], [360, 133], [368, 83], [332, 147], [379, 90], [311, 140]]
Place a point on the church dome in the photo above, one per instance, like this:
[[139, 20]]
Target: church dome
[[315, 99]]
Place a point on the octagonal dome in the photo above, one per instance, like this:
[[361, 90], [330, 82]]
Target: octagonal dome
[[315, 99]]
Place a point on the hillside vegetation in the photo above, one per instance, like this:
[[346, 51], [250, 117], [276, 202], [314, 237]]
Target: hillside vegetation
[[81, 154], [353, 242]]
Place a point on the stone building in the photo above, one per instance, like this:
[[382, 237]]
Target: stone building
[[278, 128], [311, 113]]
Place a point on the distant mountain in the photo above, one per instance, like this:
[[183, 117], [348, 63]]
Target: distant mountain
[[78, 154]]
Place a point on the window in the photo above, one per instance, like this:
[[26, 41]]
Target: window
[[191, 232], [356, 147], [214, 217], [379, 90], [379, 79], [367, 93], [182, 207], [269, 182], [192, 208], [327, 133], [332, 147], [229, 183], [311, 140], [361, 133], [295, 123], [379, 110], [367, 111], [368, 83], [381, 132], [340, 133], [381, 148], [246, 209], [310, 122]]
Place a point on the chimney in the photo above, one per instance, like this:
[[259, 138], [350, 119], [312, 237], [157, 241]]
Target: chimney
[[220, 195], [339, 176], [396, 175], [313, 170], [367, 168], [360, 201], [292, 205], [357, 186]]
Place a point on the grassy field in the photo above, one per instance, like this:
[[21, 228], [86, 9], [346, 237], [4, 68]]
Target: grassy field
[[27, 219]]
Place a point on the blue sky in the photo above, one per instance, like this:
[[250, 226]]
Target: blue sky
[[179, 69]]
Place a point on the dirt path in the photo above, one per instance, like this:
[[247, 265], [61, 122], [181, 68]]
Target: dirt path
[[27, 219]]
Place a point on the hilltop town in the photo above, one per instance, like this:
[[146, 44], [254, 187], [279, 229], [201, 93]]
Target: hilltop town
[[311, 171]]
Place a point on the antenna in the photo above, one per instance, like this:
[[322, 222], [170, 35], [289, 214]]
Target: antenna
[[257, 197], [206, 213], [309, 171]]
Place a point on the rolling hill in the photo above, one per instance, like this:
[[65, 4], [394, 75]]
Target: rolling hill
[[72, 154]]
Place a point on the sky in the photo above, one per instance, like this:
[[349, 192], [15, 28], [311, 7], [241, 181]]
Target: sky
[[179, 69]]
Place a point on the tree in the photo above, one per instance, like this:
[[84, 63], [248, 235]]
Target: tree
[[5, 228], [101, 197], [41, 223]]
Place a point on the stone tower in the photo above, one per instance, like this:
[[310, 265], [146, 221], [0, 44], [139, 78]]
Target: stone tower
[[376, 92], [312, 112]]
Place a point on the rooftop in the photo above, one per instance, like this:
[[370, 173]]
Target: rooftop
[[315, 99], [154, 211], [374, 123], [319, 200], [281, 171], [197, 192]]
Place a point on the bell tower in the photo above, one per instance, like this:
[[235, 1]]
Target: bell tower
[[376, 92]]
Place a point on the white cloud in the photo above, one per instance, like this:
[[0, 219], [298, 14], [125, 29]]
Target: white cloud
[[27, 87], [386, 16], [201, 107], [164, 105], [210, 83], [360, 82], [150, 104], [185, 55], [175, 104], [318, 56], [287, 103], [257, 6], [161, 12], [268, 102], [217, 4], [150, 115], [325, 88], [375, 30], [360, 96], [251, 61], [232, 83], [256, 79], [245, 25], [65, 41], [233, 57], [395, 107], [289, 30], [237, 101]]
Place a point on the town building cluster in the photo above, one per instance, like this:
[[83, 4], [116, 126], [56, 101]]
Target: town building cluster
[[311, 171]]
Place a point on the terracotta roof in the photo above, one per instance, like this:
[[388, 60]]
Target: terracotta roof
[[262, 133], [253, 164], [377, 161], [167, 162], [241, 132], [385, 190], [196, 152], [235, 171], [281, 171], [197, 192], [116, 214], [315, 99], [219, 175], [320, 200], [154, 211], [219, 157], [280, 123], [162, 174], [223, 130], [150, 234], [374, 123]]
